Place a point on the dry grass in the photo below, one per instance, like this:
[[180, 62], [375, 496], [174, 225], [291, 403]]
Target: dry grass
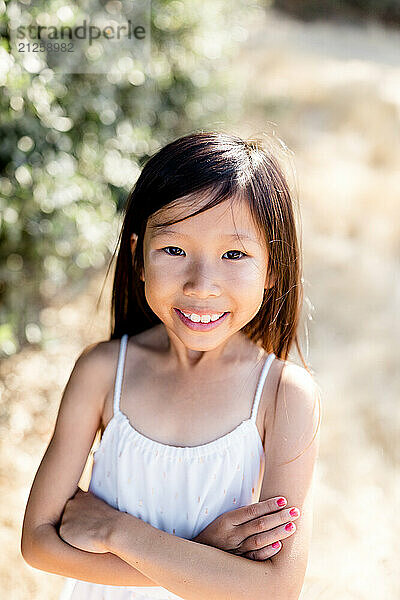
[[334, 93]]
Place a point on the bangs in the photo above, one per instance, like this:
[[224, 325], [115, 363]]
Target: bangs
[[203, 200]]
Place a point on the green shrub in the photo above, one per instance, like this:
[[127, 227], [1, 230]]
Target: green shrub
[[72, 145]]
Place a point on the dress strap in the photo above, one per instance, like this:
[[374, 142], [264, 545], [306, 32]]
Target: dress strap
[[120, 372], [261, 381]]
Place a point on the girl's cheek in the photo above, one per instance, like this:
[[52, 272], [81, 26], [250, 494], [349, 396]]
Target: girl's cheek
[[246, 275]]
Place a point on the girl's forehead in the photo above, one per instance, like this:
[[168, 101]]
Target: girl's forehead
[[230, 216]]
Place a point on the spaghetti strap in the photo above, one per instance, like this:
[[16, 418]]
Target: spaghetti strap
[[261, 381], [120, 372]]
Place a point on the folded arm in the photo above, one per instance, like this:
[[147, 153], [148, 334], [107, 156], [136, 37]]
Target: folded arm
[[195, 571], [48, 552], [191, 570], [59, 473]]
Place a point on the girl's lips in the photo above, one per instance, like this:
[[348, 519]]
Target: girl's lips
[[200, 326]]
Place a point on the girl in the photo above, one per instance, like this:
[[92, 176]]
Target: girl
[[205, 422]]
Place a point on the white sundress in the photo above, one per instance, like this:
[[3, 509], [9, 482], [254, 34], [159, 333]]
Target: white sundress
[[179, 490]]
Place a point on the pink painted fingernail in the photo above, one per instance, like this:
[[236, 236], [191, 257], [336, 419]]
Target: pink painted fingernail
[[281, 501], [275, 545], [289, 527], [294, 512]]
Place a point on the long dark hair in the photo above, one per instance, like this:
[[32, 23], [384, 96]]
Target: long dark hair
[[226, 166]]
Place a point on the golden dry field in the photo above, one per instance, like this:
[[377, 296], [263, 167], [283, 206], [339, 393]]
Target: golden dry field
[[332, 93]]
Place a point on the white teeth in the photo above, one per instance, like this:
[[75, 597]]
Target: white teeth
[[195, 318], [216, 317], [202, 318], [205, 318]]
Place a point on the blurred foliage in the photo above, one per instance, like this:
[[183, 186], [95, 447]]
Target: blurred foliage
[[387, 11], [72, 145]]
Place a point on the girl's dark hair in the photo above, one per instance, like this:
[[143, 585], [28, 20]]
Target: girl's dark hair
[[227, 167]]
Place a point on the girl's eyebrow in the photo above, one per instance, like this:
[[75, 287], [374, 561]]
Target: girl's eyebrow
[[239, 235]]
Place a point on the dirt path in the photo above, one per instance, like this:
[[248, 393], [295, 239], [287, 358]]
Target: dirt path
[[333, 94]]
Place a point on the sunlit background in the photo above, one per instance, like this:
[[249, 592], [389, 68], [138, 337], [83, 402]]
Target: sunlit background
[[324, 80]]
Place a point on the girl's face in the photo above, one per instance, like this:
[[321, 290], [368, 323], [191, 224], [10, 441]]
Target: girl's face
[[214, 263]]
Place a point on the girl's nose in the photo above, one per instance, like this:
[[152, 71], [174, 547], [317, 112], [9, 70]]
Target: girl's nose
[[202, 282]]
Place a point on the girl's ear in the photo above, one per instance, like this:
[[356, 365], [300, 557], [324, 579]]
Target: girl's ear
[[133, 241]]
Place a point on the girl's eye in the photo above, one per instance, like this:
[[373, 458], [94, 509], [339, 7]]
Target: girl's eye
[[237, 252], [167, 249], [172, 248]]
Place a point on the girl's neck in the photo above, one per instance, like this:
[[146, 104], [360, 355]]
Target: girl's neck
[[187, 360]]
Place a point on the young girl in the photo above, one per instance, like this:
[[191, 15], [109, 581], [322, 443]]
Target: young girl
[[208, 430]]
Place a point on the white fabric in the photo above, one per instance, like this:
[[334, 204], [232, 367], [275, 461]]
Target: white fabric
[[176, 489]]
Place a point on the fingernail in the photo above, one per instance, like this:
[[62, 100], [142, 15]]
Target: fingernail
[[275, 545], [281, 501], [289, 527], [294, 512]]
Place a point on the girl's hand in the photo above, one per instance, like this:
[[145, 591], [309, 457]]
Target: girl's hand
[[86, 522], [250, 530]]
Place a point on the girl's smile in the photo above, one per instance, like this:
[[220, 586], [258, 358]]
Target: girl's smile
[[205, 322]]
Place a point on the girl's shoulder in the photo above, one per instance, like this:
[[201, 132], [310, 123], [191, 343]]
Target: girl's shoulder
[[295, 379], [293, 418], [99, 353], [107, 348], [297, 376], [292, 381], [298, 395], [97, 362], [105, 353]]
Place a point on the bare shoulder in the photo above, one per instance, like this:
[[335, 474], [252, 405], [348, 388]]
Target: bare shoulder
[[97, 363], [298, 409], [303, 394], [291, 450], [100, 350], [101, 361], [78, 419], [296, 383], [98, 354]]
